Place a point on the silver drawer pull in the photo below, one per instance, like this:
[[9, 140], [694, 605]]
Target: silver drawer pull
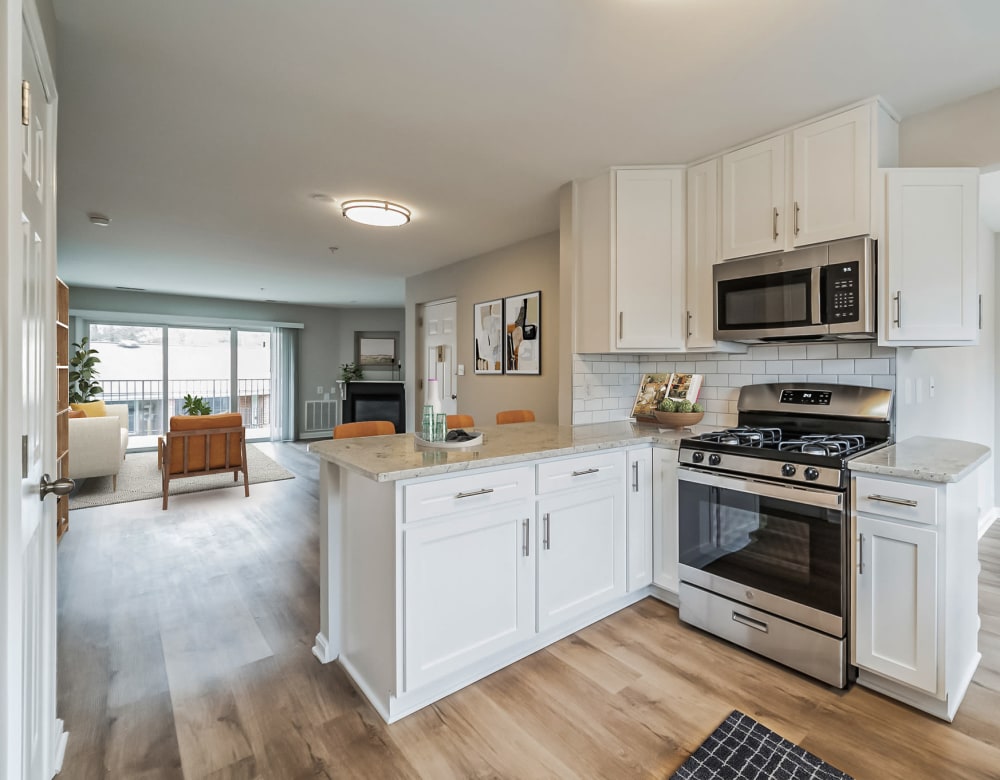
[[471, 493], [526, 544], [585, 471], [892, 500], [749, 622]]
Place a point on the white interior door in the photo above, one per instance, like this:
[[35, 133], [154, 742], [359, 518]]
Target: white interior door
[[41, 746], [439, 352]]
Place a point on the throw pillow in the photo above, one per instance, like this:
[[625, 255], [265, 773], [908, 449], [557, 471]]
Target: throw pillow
[[76, 414], [92, 409]]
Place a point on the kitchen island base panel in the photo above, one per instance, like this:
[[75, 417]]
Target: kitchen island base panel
[[944, 709], [392, 707]]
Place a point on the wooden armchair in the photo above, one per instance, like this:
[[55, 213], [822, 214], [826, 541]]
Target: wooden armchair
[[203, 444]]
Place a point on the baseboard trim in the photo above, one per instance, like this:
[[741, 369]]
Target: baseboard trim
[[60, 751], [987, 520], [322, 650]]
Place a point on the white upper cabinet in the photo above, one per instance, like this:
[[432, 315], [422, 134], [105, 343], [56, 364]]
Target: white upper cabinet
[[753, 199], [649, 258], [831, 178], [929, 292]]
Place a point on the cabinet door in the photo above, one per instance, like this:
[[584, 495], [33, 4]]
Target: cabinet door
[[581, 551], [702, 253], [640, 518], [831, 178], [665, 546], [896, 614], [753, 199], [649, 258], [468, 589], [932, 218]]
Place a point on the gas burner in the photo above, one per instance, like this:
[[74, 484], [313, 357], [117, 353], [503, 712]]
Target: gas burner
[[838, 445], [744, 436]]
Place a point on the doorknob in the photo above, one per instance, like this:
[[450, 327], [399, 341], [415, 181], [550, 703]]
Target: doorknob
[[61, 487], [453, 396]]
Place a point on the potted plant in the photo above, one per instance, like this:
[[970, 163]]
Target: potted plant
[[83, 372], [351, 372], [195, 404]]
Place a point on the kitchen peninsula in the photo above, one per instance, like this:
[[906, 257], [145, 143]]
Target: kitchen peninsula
[[439, 567]]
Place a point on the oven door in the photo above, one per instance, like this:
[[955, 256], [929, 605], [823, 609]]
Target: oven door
[[780, 304], [778, 548]]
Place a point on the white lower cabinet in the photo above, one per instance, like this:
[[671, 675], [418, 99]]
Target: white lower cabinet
[[639, 512], [581, 551], [469, 589], [915, 564], [665, 544]]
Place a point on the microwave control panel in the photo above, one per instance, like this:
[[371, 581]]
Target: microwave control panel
[[843, 281]]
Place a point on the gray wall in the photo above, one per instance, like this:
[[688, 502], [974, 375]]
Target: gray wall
[[523, 267], [326, 341]]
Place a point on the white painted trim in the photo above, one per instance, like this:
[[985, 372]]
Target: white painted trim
[[322, 650], [135, 318], [62, 737], [989, 517]]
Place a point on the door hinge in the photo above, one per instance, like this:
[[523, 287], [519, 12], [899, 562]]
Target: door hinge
[[420, 384], [420, 322], [24, 456], [25, 103]]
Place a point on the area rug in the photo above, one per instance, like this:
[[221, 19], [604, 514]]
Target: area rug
[[139, 479], [742, 749]]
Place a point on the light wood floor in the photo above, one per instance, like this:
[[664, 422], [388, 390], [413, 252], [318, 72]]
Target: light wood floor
[[184, 651]]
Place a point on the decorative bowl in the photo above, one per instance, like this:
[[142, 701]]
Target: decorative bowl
[[678, 419]]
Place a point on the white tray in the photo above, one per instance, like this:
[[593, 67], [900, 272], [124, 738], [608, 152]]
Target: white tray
[[449, 445]]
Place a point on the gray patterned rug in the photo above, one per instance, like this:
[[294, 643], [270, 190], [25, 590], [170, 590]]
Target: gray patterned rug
[[742, 749], [139, 479]]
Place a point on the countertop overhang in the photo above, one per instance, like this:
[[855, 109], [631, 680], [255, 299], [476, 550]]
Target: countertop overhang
[[391, 458], [926, 458]]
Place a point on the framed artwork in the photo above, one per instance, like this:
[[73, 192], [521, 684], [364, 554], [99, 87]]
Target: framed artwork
[[522, 344], [487, 331], [376, 349]]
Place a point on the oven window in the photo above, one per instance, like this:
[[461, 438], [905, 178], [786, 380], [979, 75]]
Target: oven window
[[772, 300], [785, 548]]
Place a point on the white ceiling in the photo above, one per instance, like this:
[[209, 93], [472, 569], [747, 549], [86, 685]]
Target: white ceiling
[[201, 128]]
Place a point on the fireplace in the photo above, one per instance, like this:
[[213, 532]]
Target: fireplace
[[376, 401]]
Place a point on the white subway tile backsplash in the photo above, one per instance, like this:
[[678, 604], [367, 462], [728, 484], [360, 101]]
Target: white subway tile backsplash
[[854, 350], [778, 366], [583, 418], [821, 351], [821, 378], [752, 367], [716, 406], [872, 366], [886, 381], [792, 378], [792, 352], [877, 351], [807, 366], [686, 367], [838, 366], [706, 367], [717, 380], [762, 353], [855, 379], [759, 379]]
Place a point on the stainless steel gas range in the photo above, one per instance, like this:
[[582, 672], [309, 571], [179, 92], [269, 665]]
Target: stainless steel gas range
[[763, 522]]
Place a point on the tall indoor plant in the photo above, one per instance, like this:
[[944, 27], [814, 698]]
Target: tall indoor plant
[[83, 373]]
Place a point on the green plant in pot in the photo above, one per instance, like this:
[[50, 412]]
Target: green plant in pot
[[83, 386], [351, 372], [195, 404]]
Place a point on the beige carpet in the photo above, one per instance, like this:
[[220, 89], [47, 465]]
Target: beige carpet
[[139, 479]]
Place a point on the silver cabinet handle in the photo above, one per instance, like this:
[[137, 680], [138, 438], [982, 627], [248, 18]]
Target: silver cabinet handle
[[861, 554], [795, 219], [526, 544], [898, 298], [893, 500], [635, 476], [980, 311], [546, 530], [774, 222], [621, 325], [690, 315], [471, 493], [749, 622], [584, 472]]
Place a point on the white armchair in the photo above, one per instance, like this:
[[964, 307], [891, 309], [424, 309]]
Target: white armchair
[[97, 444]]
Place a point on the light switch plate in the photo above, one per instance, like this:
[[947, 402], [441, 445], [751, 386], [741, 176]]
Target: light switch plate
[[461, 369]]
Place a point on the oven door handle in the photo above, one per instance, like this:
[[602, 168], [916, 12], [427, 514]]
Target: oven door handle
[[824, 498]]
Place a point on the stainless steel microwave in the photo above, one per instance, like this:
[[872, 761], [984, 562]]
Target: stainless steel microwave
[[819, 293]]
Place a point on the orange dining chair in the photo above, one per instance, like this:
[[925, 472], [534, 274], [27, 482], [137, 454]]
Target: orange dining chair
[[459, 421], [515, 416], [367, 428]]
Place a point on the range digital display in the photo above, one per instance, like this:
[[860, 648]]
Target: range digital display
[[806, 397]]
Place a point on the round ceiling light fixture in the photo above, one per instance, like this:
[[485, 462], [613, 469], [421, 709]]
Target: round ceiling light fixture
[[381, 213], [98, 219]]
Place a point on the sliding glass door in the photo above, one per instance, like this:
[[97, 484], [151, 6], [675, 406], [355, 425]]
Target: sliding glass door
[[253, 381], [131, 373], [199, 363]]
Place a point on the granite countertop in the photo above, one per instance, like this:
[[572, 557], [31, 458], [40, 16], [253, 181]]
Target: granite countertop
[[389, 458], [924, 458]]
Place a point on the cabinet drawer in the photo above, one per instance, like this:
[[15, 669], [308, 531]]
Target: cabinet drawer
[[903, 500], [469, 492], [579, 472]]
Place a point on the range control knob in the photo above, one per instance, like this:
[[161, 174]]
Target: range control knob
[[697, 457], [714, 460], [788, 470], [812, 474]]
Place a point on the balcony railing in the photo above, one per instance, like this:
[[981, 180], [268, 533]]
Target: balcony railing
[[146, 401]]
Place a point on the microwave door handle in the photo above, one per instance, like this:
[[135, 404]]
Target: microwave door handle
[[815, 287]]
